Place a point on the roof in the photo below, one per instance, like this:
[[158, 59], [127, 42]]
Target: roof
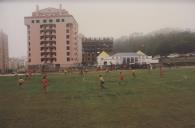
[[103, 54], [50, 12], [141, 53], [126, 54], [50, 9]]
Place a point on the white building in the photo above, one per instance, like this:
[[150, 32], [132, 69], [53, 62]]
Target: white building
[[125, 58]]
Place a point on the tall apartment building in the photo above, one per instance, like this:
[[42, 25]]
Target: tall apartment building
[[4, 55], [52, 38], [92, 47]]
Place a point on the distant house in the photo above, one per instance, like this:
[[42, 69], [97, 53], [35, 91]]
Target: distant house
[[145, 59], [174, 55], [125, 58], [157, 57], [101, 57]]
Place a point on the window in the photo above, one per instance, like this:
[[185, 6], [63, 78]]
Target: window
[[50, 26], [62, 20], [37, 21], [68, 53], [57, 20], [136, 59], [44, 21], [67, 30], [68, 59], [67, 48], [67, 36], [132, 60], [50, 21], [32, 21], [67, 42], [29, 60], [67, 25], [128, 60]]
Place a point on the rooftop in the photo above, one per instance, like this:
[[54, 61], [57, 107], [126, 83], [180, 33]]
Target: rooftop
[[50, 11], [126, 54]]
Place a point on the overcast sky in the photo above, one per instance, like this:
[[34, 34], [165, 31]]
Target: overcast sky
[[104, 19]]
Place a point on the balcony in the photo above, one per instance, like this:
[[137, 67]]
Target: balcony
[[46, 26], [48, 44], [48, 30], [48, 57], [48, 60], [53, 54], [47, 36], [53, 43], [48, 49], [47, 39]]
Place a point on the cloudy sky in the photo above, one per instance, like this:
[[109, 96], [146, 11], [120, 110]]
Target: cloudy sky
[[99, 18]]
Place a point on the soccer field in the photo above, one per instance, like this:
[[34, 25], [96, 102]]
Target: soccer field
[[147, 101]]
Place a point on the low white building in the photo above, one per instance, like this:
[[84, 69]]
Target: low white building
[[125, 58]]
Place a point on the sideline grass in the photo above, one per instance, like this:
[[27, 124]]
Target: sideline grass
[[145, 102]]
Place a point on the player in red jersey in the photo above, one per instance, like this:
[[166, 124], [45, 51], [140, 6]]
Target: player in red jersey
[[45, 83], [121, 77]]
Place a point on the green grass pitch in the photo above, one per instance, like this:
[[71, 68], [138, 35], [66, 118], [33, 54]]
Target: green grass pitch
[[147, 101]]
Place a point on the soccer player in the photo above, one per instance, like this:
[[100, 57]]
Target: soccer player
[[107, 70], [16, 75], [30, 73], [45, 83], [133, 73], [82, 73], [20, 81], [101, 82], [161, 71], [121, 77], [26, 75], [86, 70], [65, 72]]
